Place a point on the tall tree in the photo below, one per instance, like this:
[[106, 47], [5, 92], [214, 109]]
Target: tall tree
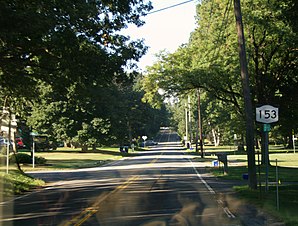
[[210, 60], [43, 42]]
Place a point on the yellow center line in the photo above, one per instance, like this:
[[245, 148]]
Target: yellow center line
[[90, 211]]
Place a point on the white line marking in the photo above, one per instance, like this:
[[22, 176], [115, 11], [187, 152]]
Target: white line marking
[[229, 213], [201, 178]]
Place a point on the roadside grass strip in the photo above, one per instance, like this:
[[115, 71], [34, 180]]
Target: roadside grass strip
[[15, 183], [287, 191]]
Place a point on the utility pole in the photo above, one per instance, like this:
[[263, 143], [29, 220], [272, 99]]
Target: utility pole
[[186, 126], [252, 177], [189, 121], [199, 126]]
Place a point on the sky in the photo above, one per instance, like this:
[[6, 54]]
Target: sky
[[164, 30]]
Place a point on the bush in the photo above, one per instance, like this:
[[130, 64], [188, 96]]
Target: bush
[[21, 157], [25, 158], [40, 160]]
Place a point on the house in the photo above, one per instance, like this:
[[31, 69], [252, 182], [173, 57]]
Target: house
[[8, 126]]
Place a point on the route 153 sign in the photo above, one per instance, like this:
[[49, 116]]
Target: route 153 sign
[[266, 114]]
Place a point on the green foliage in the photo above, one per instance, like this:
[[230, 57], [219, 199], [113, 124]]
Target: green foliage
[[73, 58], [210, 61], [267, 201], [27, 159], [17, 183]]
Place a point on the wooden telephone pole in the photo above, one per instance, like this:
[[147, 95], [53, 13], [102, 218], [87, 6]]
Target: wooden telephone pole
[[252, 177]]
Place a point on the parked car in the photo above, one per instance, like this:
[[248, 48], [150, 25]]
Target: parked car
[[4, 141], [41, 143], [148, 143], [19, 142]]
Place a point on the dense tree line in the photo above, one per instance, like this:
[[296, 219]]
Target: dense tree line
[[66, 70], [210, 61]]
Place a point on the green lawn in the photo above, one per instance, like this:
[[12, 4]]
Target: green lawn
[[287, 163], [288, 201], [67, 158], [283, 159], [64, 158], [17, 183]]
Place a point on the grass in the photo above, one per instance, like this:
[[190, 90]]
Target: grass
[[69, 158], [288, 189], [64, 158], [17, 183], [283, 159], [288, 201]]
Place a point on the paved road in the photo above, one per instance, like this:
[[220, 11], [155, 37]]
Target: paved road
[[159, 187]]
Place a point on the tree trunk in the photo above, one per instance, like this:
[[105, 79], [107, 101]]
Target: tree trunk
[[129, 132], [290, 141], [216, 138], [84, 148]]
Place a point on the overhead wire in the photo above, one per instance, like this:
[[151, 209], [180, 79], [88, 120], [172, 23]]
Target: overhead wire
[[169, 7]]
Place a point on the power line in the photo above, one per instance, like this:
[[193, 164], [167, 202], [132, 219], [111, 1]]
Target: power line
[[168, 7]]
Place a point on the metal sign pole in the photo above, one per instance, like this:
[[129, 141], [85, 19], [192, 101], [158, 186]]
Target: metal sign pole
[[293, 138], [266, 114], [33, 154], [7, 157], [277, 181], [266, 137]]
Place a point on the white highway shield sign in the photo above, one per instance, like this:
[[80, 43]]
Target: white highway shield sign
[[267, 114]]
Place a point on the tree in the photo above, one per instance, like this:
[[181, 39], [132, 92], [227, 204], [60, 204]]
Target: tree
[[210, 60], [42, 43], [60, 61]]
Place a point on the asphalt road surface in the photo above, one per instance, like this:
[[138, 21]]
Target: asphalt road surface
[[159, 187]]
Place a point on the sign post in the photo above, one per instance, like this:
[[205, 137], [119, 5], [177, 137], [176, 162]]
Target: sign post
[[144, 138], [7, 156], [266, 114], [266, 129], [294, 139], [33, 148]]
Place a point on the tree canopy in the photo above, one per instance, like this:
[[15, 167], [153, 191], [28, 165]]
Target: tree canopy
[[66, 69], [210, 59]]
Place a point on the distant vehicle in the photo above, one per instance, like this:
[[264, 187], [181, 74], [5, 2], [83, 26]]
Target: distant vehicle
[[4, 141], [148, 143], [41, 143]]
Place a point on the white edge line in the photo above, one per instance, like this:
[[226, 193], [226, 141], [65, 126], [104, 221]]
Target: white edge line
[[201, 178], [226, 209]]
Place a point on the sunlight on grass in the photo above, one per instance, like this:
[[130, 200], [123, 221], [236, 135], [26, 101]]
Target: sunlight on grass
[[16, 183], [69, 158]]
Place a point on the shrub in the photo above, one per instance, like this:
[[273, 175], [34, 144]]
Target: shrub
[[40, 160], [27, 159], [21, 157]]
